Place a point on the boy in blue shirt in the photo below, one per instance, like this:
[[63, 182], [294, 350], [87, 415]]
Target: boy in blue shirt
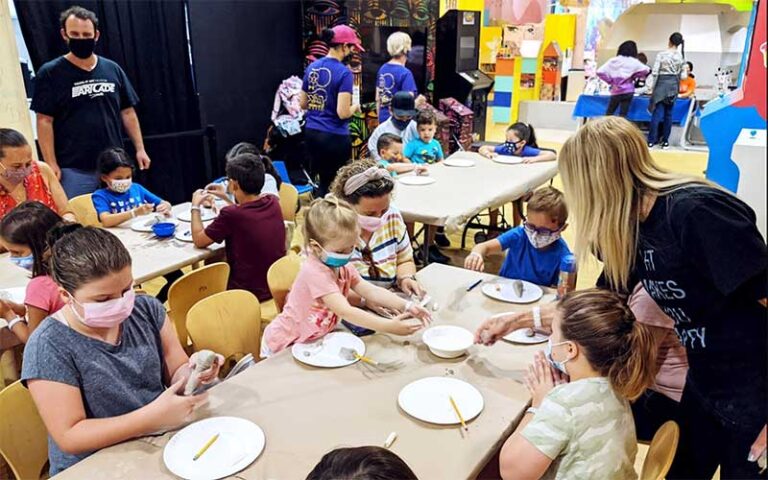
[[534, 249], [424, 149], [390, 148]]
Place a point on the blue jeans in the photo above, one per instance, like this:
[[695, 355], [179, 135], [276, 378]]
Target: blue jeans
[[79, 182], [661, 115]]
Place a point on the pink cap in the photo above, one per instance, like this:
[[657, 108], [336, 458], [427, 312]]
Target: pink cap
[[345, 34]]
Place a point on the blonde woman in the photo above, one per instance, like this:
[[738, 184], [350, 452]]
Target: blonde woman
[[698, 253], [394, 77]]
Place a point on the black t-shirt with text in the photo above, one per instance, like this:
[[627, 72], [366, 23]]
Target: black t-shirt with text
[[702, 259], [85, 107]]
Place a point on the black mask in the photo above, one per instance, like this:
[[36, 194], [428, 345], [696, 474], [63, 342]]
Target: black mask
[[400, 124], [347, 59], [82, 47]]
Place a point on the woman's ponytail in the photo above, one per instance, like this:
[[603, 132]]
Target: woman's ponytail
[[634, 371]]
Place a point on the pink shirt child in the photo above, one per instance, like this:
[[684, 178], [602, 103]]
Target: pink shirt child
[[305, 317], [43, 293]]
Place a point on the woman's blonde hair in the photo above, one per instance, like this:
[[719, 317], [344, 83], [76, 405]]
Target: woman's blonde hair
[[607, 171], [399, 43], [329, 218], [615, 344]]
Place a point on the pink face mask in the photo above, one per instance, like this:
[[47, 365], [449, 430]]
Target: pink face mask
[[105, 314], [369, 224]]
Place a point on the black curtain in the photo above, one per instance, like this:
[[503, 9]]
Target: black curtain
[[148, 39]]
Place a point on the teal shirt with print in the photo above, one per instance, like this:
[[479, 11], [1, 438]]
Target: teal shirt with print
[[420, 152]]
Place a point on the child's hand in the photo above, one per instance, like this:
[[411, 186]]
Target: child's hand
[[540, 380], [164, 209], [17, 308], [403, 324], [421, 170], [529, 160], [144, 209], [217, 190], [474, 261], [172, 409], [207, 376], [417, 311], [201, 196]]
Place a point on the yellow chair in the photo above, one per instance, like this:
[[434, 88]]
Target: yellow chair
[[23, 437], [190, 289], [289, 201], [661, 453], [228, 323], [280, 277], [82, 207], [297, 241]]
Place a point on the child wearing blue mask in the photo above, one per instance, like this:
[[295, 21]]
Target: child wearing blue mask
[[534, 249], [318, 297], [122, 199], [520, 142]]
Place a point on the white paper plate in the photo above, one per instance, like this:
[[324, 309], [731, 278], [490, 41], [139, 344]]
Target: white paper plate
[[507, 159], [144, 224], [416, 180], [503, 290], [15, 295], [185, 235], [519, 336], [205, 214], [240, 442], [428, 400], [326, 352], [448, 341], [459, 162]]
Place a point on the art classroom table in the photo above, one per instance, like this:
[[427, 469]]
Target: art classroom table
[[460, 193], [306, 412]]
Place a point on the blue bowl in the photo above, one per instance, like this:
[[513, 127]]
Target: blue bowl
[[164, 229]]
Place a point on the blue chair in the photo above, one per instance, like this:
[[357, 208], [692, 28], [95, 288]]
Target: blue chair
[[283, 172]]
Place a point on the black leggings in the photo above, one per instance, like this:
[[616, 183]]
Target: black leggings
[[651, 410], [327, 153], [622, 101]]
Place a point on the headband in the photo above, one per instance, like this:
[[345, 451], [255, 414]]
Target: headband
[[356, 181]]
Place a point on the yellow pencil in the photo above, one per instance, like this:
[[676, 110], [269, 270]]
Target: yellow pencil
[[205, 447], [458, 413]]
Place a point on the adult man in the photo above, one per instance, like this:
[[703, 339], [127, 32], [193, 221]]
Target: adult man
[[81, 100], [403, 109]]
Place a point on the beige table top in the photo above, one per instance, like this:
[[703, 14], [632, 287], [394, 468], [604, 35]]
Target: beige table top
[[306, 412], [461, 193]]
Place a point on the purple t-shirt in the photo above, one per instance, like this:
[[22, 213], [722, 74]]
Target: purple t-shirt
[[392, 78], [324, 79]]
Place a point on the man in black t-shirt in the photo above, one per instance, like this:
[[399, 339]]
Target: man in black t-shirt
[[81, 101]]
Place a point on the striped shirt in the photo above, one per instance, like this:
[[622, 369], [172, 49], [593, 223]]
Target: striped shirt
[[388, 247]]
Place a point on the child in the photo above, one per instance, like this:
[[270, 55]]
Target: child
[[361, 463], [688, 82], [620, 72], [23, 233], [425, 149], [272, 180], [521, 142], [120, 199], [318, 298], [98, 369], [583, 428], [252, 230], [535, 249], [390, 148]]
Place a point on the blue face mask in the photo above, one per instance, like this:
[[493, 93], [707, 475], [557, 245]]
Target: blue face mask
[[27, 263], [548, 353], [333, 259]]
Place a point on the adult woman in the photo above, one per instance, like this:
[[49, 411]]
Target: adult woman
[[327, 97], [98, 369], [666, 72], [393, 76], [22, 178], [383, 255], [698, 253]]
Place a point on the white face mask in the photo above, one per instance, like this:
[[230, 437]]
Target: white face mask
[[541, 240], [121, 186]]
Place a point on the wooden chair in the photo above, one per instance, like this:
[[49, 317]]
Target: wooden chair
[[23, 437], [190, 289], [280, 277], [289, 201], [661, 452], [228, 323], [82, 207]]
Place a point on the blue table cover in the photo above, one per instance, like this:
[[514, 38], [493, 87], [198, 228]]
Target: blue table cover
[[596, 105]]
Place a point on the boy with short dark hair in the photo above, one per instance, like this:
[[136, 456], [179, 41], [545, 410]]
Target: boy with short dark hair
[[390, 148], [534, 249], [424, 149], [252, 230]]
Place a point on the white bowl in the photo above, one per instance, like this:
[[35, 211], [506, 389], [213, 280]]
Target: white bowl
[[448, 341]]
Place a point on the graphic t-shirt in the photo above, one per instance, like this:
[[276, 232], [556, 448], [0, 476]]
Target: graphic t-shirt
[[702, 259], [393, 78], [324, 79], [420, 152], [107, 201], [526, 262], [85, 107], [507, 148]]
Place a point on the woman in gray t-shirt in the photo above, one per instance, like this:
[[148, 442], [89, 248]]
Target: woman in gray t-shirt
[[98, 369]]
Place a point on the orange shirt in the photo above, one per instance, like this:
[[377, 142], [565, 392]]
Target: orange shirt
[[687, 85]]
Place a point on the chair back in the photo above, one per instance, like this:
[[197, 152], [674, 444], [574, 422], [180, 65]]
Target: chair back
[[289, 201], [190, 289], [82, 207], [23, 437], [661, 452], [281, 170], [280, 277], [228, 323]]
